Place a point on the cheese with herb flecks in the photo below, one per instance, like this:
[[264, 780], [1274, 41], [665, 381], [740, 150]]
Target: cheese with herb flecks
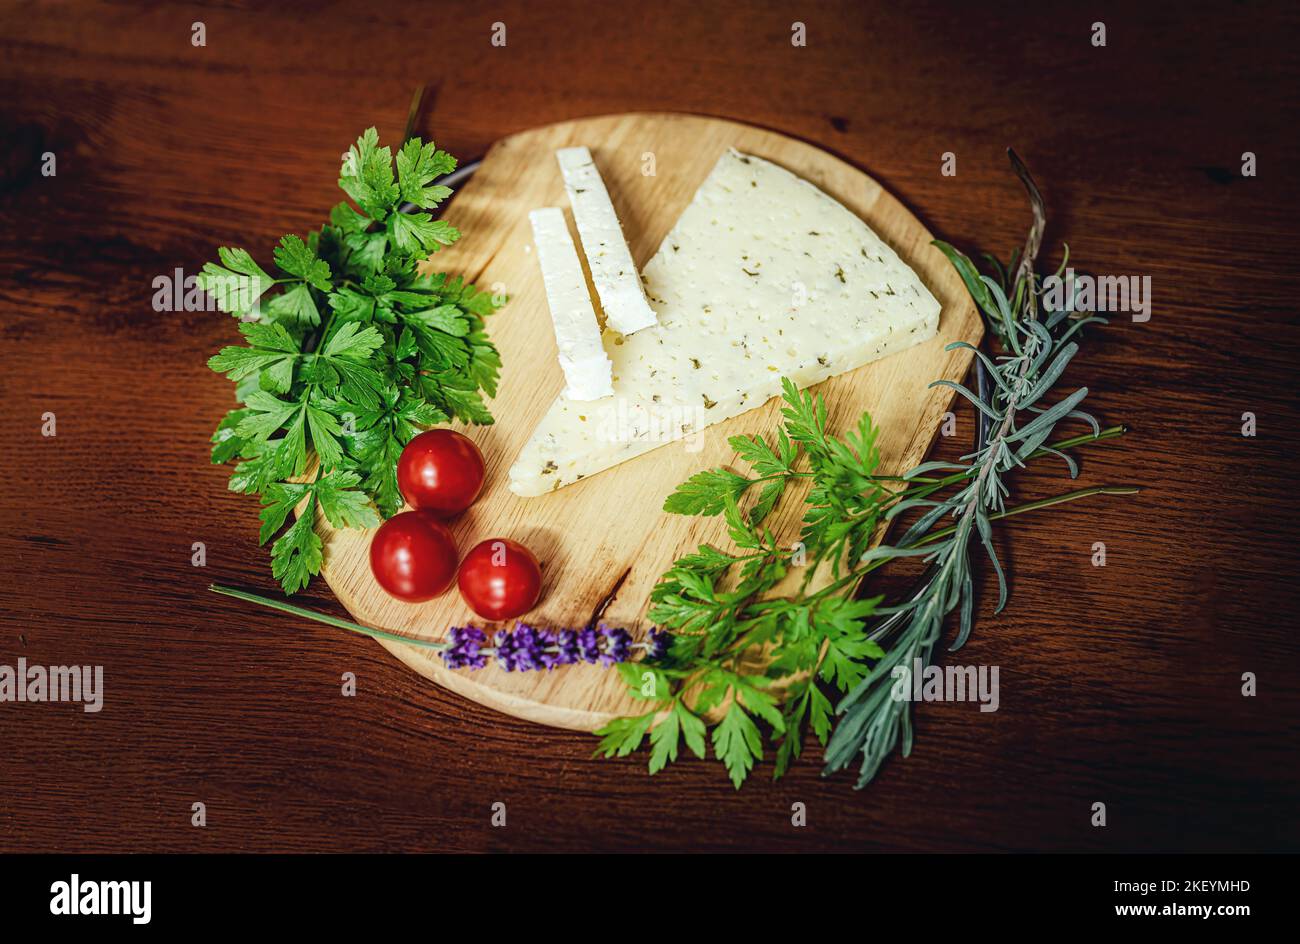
[[612, 271], [763, 276], [577, 332]]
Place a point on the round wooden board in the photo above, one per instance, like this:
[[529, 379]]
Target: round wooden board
[[604, 541]]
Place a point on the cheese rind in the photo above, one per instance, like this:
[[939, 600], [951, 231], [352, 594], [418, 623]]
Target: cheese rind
[[582, 357], [763, 276], [615, 276]]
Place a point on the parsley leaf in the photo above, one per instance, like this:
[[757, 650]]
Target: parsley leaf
[[413, 232], [271, 353], [706, 493], [226, 443], [298, 554], [296, 258], [266, 414], [277, 502], [237, 284], [343, 504], [737, 743], [622, 736], [367, 176], [417, 166]]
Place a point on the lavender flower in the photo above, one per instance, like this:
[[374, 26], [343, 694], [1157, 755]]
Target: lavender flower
[[565, 645], [520, 650], [527, 647], [618, 646], [657, 647], [464, 648], [588, 645]]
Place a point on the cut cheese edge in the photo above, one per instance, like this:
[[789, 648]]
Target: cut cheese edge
[[615, 276], [763, 277], [582, 356]]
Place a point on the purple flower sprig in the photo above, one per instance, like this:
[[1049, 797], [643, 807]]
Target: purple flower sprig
[[519, 650], [528, 647]]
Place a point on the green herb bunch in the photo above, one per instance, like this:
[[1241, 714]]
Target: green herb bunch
[[765, 666], [732, 639], [349, 353]]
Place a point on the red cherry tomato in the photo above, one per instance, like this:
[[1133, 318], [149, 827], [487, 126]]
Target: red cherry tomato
[[500, 579], [413, 556], [440, 471]]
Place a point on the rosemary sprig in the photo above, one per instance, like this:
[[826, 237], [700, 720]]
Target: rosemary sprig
[[1037, 346]]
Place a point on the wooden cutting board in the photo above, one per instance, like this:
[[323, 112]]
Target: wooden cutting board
[[604, 541]]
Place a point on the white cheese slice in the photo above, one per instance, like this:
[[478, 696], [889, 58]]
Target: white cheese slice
[[612, 271], [763, 276], [583, 359]]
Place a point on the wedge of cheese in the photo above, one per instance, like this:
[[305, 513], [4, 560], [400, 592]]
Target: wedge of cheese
[[612, 271], [763, 276], [583, 359]]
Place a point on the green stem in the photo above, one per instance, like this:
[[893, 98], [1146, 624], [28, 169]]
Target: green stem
[[925, 487], [325, 333], [350, 626], [1110, 432], [861, 572], [412, 113], [1042, 503]]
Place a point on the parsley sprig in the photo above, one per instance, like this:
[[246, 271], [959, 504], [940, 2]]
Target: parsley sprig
[[348, 353], [762, 667], [732, 640]]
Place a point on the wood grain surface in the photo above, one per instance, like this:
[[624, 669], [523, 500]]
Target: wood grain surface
[[604, 542], [1119, 684]]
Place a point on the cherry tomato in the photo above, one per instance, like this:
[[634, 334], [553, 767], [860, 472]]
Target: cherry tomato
[[500, 579], [440, 471], [413, 556]]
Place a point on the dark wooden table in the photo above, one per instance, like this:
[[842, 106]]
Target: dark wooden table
[[1119, 684]]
